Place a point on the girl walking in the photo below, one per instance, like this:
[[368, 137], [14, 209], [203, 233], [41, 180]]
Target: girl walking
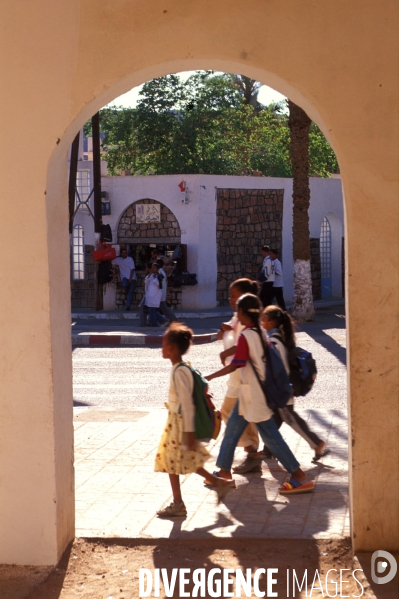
[[251, 405], [179, 452], [249, 440], [280, 331]]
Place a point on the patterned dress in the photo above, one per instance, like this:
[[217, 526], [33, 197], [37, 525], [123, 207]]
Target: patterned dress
[[171, 456]]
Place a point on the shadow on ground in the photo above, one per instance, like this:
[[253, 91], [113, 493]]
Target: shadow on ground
[[103, 568]]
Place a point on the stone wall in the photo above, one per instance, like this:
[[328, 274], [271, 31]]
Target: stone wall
[[315, 267], [83, 293], [247, 219], [167, 231]]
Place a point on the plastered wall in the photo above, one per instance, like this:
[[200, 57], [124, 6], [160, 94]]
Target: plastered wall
[[197, 220]]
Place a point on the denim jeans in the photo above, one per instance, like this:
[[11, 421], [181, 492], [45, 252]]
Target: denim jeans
[[129, 287], [155, 317], [269, 433]]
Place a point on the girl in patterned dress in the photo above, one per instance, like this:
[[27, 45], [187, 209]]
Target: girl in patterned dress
[[179, 452]]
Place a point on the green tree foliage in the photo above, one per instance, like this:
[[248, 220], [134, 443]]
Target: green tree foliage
[[207, 124]]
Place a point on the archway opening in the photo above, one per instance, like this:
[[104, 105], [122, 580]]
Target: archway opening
[[123, 240]]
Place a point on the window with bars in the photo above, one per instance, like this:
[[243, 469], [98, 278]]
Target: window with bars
[[83, 185], [325, 258], [78, 253]]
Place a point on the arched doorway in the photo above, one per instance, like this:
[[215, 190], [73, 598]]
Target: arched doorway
[[140, 231]]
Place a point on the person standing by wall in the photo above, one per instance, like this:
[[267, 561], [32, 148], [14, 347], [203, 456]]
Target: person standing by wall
[[165, 309], [266, 277], [153, 295], [278, 280], [128, 275]]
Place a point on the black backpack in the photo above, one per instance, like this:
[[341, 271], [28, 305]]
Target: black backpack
[[160, 279], [104, 273], [303, 369], [106, 233]]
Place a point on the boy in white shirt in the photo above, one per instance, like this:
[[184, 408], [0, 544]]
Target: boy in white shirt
[[267, 280], [128, 275], [278, 280], [153, 295], [165, 309]]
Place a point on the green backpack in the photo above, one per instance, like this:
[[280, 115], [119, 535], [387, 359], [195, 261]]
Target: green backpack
[[207, 417]]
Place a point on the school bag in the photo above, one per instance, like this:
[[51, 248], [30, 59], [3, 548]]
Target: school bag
[[106, 233], [303, 369], [160, 279], [104, 273], [207, 418], [276, 387]]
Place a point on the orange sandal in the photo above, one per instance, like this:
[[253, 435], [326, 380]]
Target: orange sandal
[[293, 486]]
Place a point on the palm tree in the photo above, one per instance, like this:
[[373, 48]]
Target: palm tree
[[249, 89], [299, 124]]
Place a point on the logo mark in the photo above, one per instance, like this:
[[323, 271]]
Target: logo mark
[[382, 566]]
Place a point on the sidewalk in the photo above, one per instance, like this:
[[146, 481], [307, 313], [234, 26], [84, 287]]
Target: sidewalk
[[118, 492], [117, 327]]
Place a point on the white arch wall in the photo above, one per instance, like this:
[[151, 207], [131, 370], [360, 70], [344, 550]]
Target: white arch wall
[[327, 200]]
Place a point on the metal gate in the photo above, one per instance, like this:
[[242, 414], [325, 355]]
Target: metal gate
[[325, 258]]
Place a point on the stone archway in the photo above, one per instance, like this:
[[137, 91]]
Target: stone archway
[[164, 232]]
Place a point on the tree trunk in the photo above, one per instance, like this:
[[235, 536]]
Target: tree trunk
[[299, 124]]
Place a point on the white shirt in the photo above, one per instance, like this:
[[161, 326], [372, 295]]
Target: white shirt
[[126, 265], [268, 269], [153, 293], [230, 338], [252, 402], [278, 274], [181, 394]]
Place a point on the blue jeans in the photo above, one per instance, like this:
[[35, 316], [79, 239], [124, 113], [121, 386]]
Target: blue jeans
[[129, 288], [269, 433], [155, 317]]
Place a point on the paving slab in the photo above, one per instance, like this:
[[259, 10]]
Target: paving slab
[[118, 492]]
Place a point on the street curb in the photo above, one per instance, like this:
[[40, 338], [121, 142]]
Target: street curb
[[120, 315], [86, 339], [212, 313]]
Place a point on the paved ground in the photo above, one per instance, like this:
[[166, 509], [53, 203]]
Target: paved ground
[[118, 493], [119, 414]]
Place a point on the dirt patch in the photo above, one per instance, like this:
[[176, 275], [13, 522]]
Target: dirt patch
[[105, 569]]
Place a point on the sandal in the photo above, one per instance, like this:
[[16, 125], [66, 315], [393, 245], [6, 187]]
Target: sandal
[[293, 486], [173, 510], [208, 483], [318, 456]]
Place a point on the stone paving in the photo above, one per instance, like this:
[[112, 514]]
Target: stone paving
[[118, 492]]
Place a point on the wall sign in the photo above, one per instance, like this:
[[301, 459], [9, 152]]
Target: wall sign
[[148, 213]]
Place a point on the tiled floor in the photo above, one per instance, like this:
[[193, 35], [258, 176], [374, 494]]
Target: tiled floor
[[118, 492]]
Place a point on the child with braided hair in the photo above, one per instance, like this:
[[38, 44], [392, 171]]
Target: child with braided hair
[[179, 452], [280, 332]]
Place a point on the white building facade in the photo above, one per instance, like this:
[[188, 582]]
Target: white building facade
[[216, 212]]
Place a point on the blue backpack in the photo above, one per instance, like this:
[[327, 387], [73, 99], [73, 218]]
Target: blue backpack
[[276, 387], [303, 369]]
